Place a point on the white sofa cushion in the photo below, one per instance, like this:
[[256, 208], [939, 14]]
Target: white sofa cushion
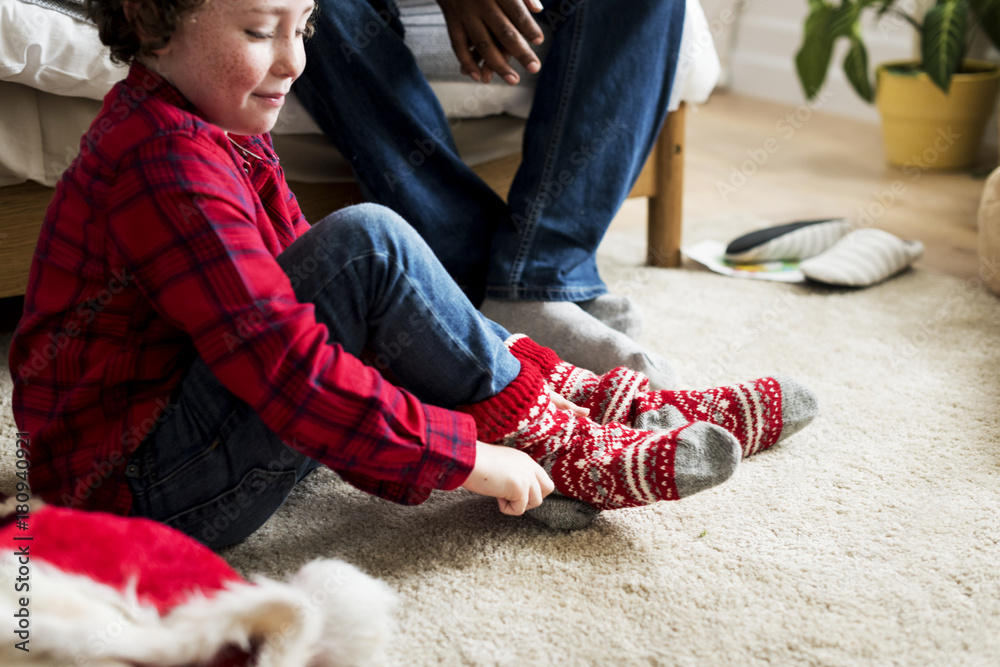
[[46, 48], [54, 52]]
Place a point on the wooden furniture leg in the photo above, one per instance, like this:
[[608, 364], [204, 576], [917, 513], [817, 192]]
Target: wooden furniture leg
[[22, 208], [665, 206]]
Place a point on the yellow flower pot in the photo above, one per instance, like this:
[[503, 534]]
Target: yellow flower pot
[[923, 127]]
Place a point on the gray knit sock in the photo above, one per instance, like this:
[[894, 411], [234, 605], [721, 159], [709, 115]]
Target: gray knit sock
[[799, 406], [562, 513], [618, 312], [579, 338], [706, 455]]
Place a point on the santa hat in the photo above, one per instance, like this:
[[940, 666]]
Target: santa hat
[[96, 589]]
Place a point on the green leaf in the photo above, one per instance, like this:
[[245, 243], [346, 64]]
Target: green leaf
[[943, 40], [813, 58], [987, 13], [856, 69], [844, 20]]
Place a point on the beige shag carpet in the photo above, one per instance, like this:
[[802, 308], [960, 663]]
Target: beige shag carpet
[[870, 538]]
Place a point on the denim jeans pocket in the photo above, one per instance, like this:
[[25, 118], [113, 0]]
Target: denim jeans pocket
[[237, 512]]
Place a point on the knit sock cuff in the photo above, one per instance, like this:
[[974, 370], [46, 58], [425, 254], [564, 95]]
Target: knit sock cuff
[[527, 350], [499, 416]]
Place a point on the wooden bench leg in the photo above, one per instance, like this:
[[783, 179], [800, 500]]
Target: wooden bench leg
[[664, 231]]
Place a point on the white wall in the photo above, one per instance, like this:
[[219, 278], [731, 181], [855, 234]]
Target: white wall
[[723, 16], [757, 41]]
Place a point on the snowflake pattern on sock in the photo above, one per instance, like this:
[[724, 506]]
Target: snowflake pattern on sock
[[607, 466], [579, 384], [751, 411], [572, 382]]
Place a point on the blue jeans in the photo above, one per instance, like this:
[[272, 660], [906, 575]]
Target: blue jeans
[[599, 105], [213, 470]]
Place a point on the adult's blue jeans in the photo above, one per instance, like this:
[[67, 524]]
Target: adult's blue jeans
[[600, 102], [214, 470]]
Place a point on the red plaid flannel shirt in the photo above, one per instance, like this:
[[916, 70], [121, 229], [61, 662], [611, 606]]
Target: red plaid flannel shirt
[[159, 245]]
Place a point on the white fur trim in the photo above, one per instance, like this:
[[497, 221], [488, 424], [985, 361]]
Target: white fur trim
[[329, 614]]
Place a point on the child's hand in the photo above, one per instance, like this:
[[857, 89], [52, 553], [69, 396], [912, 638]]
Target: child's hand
[[565, 404], [510, 476]]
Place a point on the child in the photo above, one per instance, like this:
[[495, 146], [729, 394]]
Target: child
[[190, 346]]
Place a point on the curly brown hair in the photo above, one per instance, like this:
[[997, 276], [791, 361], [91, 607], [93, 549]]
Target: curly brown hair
[[156, 18]]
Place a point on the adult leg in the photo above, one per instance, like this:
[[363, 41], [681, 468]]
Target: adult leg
[[362, 86], [358, 55], [601, 100], [213, 470]]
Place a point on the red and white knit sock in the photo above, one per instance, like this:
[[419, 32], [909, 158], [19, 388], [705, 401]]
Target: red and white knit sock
[[608, 466], [751, 411], [759, 413], [571, 382]]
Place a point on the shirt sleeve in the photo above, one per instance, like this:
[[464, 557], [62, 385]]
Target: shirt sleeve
[[183, 222]]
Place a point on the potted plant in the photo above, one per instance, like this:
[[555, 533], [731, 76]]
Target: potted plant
[[933, 109]]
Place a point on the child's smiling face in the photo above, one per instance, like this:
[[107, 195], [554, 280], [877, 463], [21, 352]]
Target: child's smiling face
[[235, 60]]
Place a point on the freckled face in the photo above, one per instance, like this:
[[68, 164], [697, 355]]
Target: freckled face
[[235, 60]]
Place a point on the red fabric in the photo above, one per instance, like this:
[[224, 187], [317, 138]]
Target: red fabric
[[167, 566], [751, 411], [611, 397], [499, 416], [571, 382], [607, 466], [159, 246], [527, 350]]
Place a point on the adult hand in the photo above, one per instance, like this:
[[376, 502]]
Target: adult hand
[[510, 476], [489, 32]]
